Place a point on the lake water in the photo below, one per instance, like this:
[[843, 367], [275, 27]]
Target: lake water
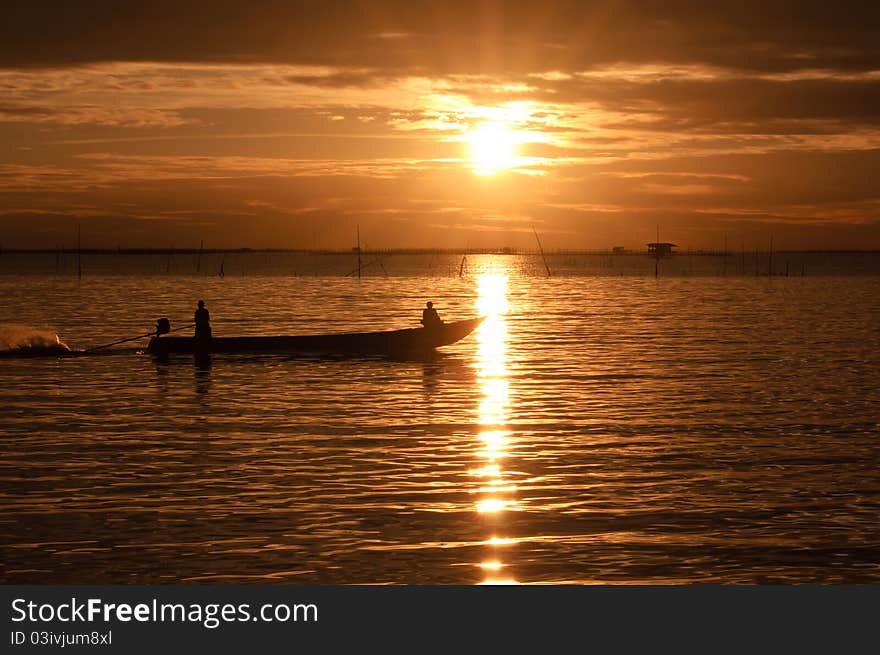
[[602, 426]]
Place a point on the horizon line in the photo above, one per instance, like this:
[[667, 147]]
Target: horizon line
[[417, 251]]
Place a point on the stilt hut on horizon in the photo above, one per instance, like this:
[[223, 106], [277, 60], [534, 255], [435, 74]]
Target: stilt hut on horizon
[[661, 249]]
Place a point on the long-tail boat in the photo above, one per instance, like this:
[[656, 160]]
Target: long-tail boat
[[393, 342]]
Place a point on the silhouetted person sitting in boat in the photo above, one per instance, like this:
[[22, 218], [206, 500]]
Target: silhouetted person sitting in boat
[[430, 317], [203, 322]]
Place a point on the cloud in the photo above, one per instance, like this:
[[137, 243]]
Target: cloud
[[91, 115], [303, 115], [499, 37]]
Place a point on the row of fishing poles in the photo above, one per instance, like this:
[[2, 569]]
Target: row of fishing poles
[[461, 268], [357, 271]]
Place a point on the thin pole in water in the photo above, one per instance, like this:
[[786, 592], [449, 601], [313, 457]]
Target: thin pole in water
[[657, 254], [359, 250], [541, 250], [724, 260], [770, 259], [79, 268]]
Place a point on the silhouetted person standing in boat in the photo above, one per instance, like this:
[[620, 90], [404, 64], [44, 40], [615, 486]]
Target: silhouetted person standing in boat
[[430, 317], [203, 322]]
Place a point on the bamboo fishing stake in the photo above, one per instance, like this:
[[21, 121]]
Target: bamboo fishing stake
[[541, 250], [657, 255], [724, 260]]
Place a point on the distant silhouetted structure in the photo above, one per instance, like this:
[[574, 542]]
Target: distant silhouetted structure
[[658, 250], [661, 249]]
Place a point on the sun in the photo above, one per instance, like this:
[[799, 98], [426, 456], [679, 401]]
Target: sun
[[493, 148]]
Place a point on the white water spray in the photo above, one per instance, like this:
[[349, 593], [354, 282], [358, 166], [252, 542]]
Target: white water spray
[[29, 340]]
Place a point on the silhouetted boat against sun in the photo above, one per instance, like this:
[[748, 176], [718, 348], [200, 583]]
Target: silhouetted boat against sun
[[394, 342]]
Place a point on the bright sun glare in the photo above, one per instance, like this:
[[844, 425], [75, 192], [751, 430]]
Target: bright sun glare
[[493, 148]]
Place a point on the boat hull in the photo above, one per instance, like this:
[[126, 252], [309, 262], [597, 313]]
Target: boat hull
[[395, 342]]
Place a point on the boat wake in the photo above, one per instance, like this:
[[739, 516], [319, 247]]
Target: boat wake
[[24, 341]]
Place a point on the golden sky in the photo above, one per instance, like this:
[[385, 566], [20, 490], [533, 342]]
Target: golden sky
[[450, 124]]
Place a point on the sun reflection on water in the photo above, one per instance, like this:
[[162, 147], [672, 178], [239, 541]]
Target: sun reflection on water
[[495, 491]]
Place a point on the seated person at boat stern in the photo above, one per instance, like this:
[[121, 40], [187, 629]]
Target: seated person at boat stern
[[203, 322], [430, 317]]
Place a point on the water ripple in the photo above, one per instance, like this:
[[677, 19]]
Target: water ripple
[[629, 430]]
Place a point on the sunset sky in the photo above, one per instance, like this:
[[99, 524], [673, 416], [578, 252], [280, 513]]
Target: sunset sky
[[449, 124]]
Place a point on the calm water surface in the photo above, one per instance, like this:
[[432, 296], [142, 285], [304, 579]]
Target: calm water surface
[[597, 428]]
